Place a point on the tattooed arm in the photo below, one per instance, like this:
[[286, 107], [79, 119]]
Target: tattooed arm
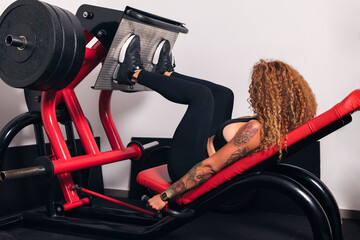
[[196, 176], [245, 140]]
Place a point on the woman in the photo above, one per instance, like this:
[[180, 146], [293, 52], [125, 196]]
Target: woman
[[207, 140]]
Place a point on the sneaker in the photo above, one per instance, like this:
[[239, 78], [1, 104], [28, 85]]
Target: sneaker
[[129, 61], [162, 59]]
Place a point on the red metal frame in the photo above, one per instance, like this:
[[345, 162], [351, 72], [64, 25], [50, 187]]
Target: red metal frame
[[114, 200], [62, 160]]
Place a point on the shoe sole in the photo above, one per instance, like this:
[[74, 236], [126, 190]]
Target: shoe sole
[[124, 48], [122, 55], [156, 56]]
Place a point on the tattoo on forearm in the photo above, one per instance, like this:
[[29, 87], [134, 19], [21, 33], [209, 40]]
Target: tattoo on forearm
[[246, 135], [240, 153], [193, 178], [178, 186], [196, 176]]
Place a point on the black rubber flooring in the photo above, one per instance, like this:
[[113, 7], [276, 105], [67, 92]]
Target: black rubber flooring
[[245, 225]]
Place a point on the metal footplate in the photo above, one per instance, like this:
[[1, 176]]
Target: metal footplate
[[151, 30]]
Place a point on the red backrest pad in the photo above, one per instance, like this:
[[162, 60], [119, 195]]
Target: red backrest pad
[[158, 179]]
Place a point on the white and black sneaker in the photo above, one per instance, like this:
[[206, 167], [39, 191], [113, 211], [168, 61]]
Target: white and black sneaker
[[129, 61], [162, 59]]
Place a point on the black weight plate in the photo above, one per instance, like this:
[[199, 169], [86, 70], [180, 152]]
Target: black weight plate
[[30, 67], [80, 46], [48, 82], [62, 57], [73, 51]]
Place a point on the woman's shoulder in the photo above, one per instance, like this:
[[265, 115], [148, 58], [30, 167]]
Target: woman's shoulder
[[252, 125], [242, 125]]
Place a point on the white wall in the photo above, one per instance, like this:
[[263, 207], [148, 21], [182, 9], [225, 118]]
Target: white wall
[[319, 38]]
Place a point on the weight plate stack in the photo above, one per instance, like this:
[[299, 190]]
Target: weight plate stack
[[42, 47]]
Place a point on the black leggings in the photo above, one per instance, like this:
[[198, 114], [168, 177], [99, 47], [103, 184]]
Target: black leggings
[[209, 105]]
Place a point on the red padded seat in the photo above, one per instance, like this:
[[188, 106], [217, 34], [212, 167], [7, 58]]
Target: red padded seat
[[157, 178]]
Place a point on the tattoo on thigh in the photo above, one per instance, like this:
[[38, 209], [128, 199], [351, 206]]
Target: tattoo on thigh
[[240, 153], [246, 135]]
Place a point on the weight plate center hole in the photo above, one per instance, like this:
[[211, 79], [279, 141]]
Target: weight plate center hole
[[19, 42]]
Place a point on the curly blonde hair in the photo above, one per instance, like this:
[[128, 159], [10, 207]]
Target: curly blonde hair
[[282, 101]]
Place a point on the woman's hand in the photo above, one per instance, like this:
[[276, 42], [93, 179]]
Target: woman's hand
[[156, 203]]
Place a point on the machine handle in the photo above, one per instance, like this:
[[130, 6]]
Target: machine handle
[[186, 213], [160, 22]]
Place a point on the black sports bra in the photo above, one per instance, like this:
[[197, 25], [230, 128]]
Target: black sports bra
[[219, 140]]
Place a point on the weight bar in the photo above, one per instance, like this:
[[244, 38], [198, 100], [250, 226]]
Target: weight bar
[[22, 173], [19, 42], [43, 169], [42, 47]]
